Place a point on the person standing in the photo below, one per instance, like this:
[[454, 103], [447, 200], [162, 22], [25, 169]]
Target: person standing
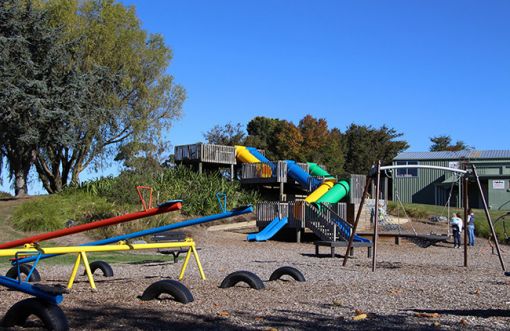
[[456, 223], [471, 227]]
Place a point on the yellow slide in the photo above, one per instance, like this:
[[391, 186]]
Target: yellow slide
[[320, 191]]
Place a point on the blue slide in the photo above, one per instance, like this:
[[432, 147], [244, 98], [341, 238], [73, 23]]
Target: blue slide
[[269, 231]]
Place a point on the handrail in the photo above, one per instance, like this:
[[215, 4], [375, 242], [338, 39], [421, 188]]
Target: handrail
[[335, 214]]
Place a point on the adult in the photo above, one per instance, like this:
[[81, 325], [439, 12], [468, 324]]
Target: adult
[[456, 223], [471, 227]]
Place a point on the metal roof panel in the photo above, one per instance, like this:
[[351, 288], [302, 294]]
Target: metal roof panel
[[447, 155]]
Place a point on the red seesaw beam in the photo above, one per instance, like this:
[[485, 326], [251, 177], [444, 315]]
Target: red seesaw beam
[[166, 207]]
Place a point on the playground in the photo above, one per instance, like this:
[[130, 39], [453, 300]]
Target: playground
[[414, 288], [243, 280]]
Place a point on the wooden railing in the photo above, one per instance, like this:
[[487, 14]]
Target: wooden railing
[[271, 171], [205, 153], [324, 222]]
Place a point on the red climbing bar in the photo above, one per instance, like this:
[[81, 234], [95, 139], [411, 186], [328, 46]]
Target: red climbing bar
[[166, 207]]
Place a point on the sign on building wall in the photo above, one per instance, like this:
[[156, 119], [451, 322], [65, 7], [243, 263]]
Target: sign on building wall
[[454, 164], [498, 184]]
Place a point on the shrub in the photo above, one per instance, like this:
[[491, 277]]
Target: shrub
[[197, 190], [4, 195]]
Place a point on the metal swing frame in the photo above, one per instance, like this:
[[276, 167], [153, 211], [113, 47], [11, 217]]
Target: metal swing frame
[[376, 172]]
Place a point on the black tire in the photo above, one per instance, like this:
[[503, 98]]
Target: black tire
[[172, 287], [289, 271], [247, 277], [50, 314], [507, 273], [105, 268], [24, 269]]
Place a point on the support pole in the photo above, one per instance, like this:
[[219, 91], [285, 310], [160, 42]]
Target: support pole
[[376, 213], [465, 203], [356, 221], [489, 220]]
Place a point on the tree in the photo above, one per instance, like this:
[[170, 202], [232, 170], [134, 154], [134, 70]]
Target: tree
[[310, 141], [262, 132], [444, 143], [333, 153], [228, 135], [136, 101], [364, 145], [288, 143], [37, 81]]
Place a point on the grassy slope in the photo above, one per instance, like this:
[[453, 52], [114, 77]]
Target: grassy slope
[[7, 207]]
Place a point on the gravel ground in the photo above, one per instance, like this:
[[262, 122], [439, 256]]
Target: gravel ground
[[413, 288]]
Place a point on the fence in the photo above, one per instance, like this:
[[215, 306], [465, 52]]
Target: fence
[[299, 213]]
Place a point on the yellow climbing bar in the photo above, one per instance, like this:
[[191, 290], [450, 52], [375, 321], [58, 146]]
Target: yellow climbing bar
[[121, 246]]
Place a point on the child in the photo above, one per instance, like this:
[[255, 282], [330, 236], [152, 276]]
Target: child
[[471, 227], [456, 223]]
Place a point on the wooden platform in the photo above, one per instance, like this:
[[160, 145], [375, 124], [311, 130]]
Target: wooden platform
[[334, 244]]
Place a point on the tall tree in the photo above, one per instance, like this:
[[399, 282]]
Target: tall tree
[[262, 134], [135, 103], [228, 134], [288, 142], [36, 79], [332, 155], [364, 145], [444, 143]]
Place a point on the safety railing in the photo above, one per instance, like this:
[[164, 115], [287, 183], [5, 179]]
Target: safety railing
[[328, 222], [271, 171], [205, 153]]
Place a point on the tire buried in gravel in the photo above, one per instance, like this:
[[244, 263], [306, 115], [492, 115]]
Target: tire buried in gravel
[[105, 268], [247, 277], [287, 271], [172, 287], [50, 314], [25, 270]]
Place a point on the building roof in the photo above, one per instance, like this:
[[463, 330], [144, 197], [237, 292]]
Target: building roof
[[446, 155]]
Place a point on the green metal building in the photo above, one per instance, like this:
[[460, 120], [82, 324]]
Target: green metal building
[[436, 186]]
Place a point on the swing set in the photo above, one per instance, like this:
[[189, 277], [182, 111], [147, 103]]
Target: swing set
[[375, 175], [402, 226]]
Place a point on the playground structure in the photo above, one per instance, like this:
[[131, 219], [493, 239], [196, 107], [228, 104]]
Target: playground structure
[[47, 298], [466, 174], [316, 206]]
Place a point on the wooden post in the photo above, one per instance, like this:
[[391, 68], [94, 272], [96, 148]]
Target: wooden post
[[376, 213], [487, 214], [356, 221], [465, 203]]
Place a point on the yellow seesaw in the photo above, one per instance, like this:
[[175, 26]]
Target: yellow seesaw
[[81, 251]]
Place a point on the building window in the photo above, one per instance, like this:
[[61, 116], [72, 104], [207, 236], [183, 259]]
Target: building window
[[407, 172]]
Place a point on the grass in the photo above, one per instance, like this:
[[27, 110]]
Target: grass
[[7, 207], [47, 213], [422, 211]]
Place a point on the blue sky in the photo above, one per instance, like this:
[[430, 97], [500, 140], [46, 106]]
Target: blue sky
[[424, 68]]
